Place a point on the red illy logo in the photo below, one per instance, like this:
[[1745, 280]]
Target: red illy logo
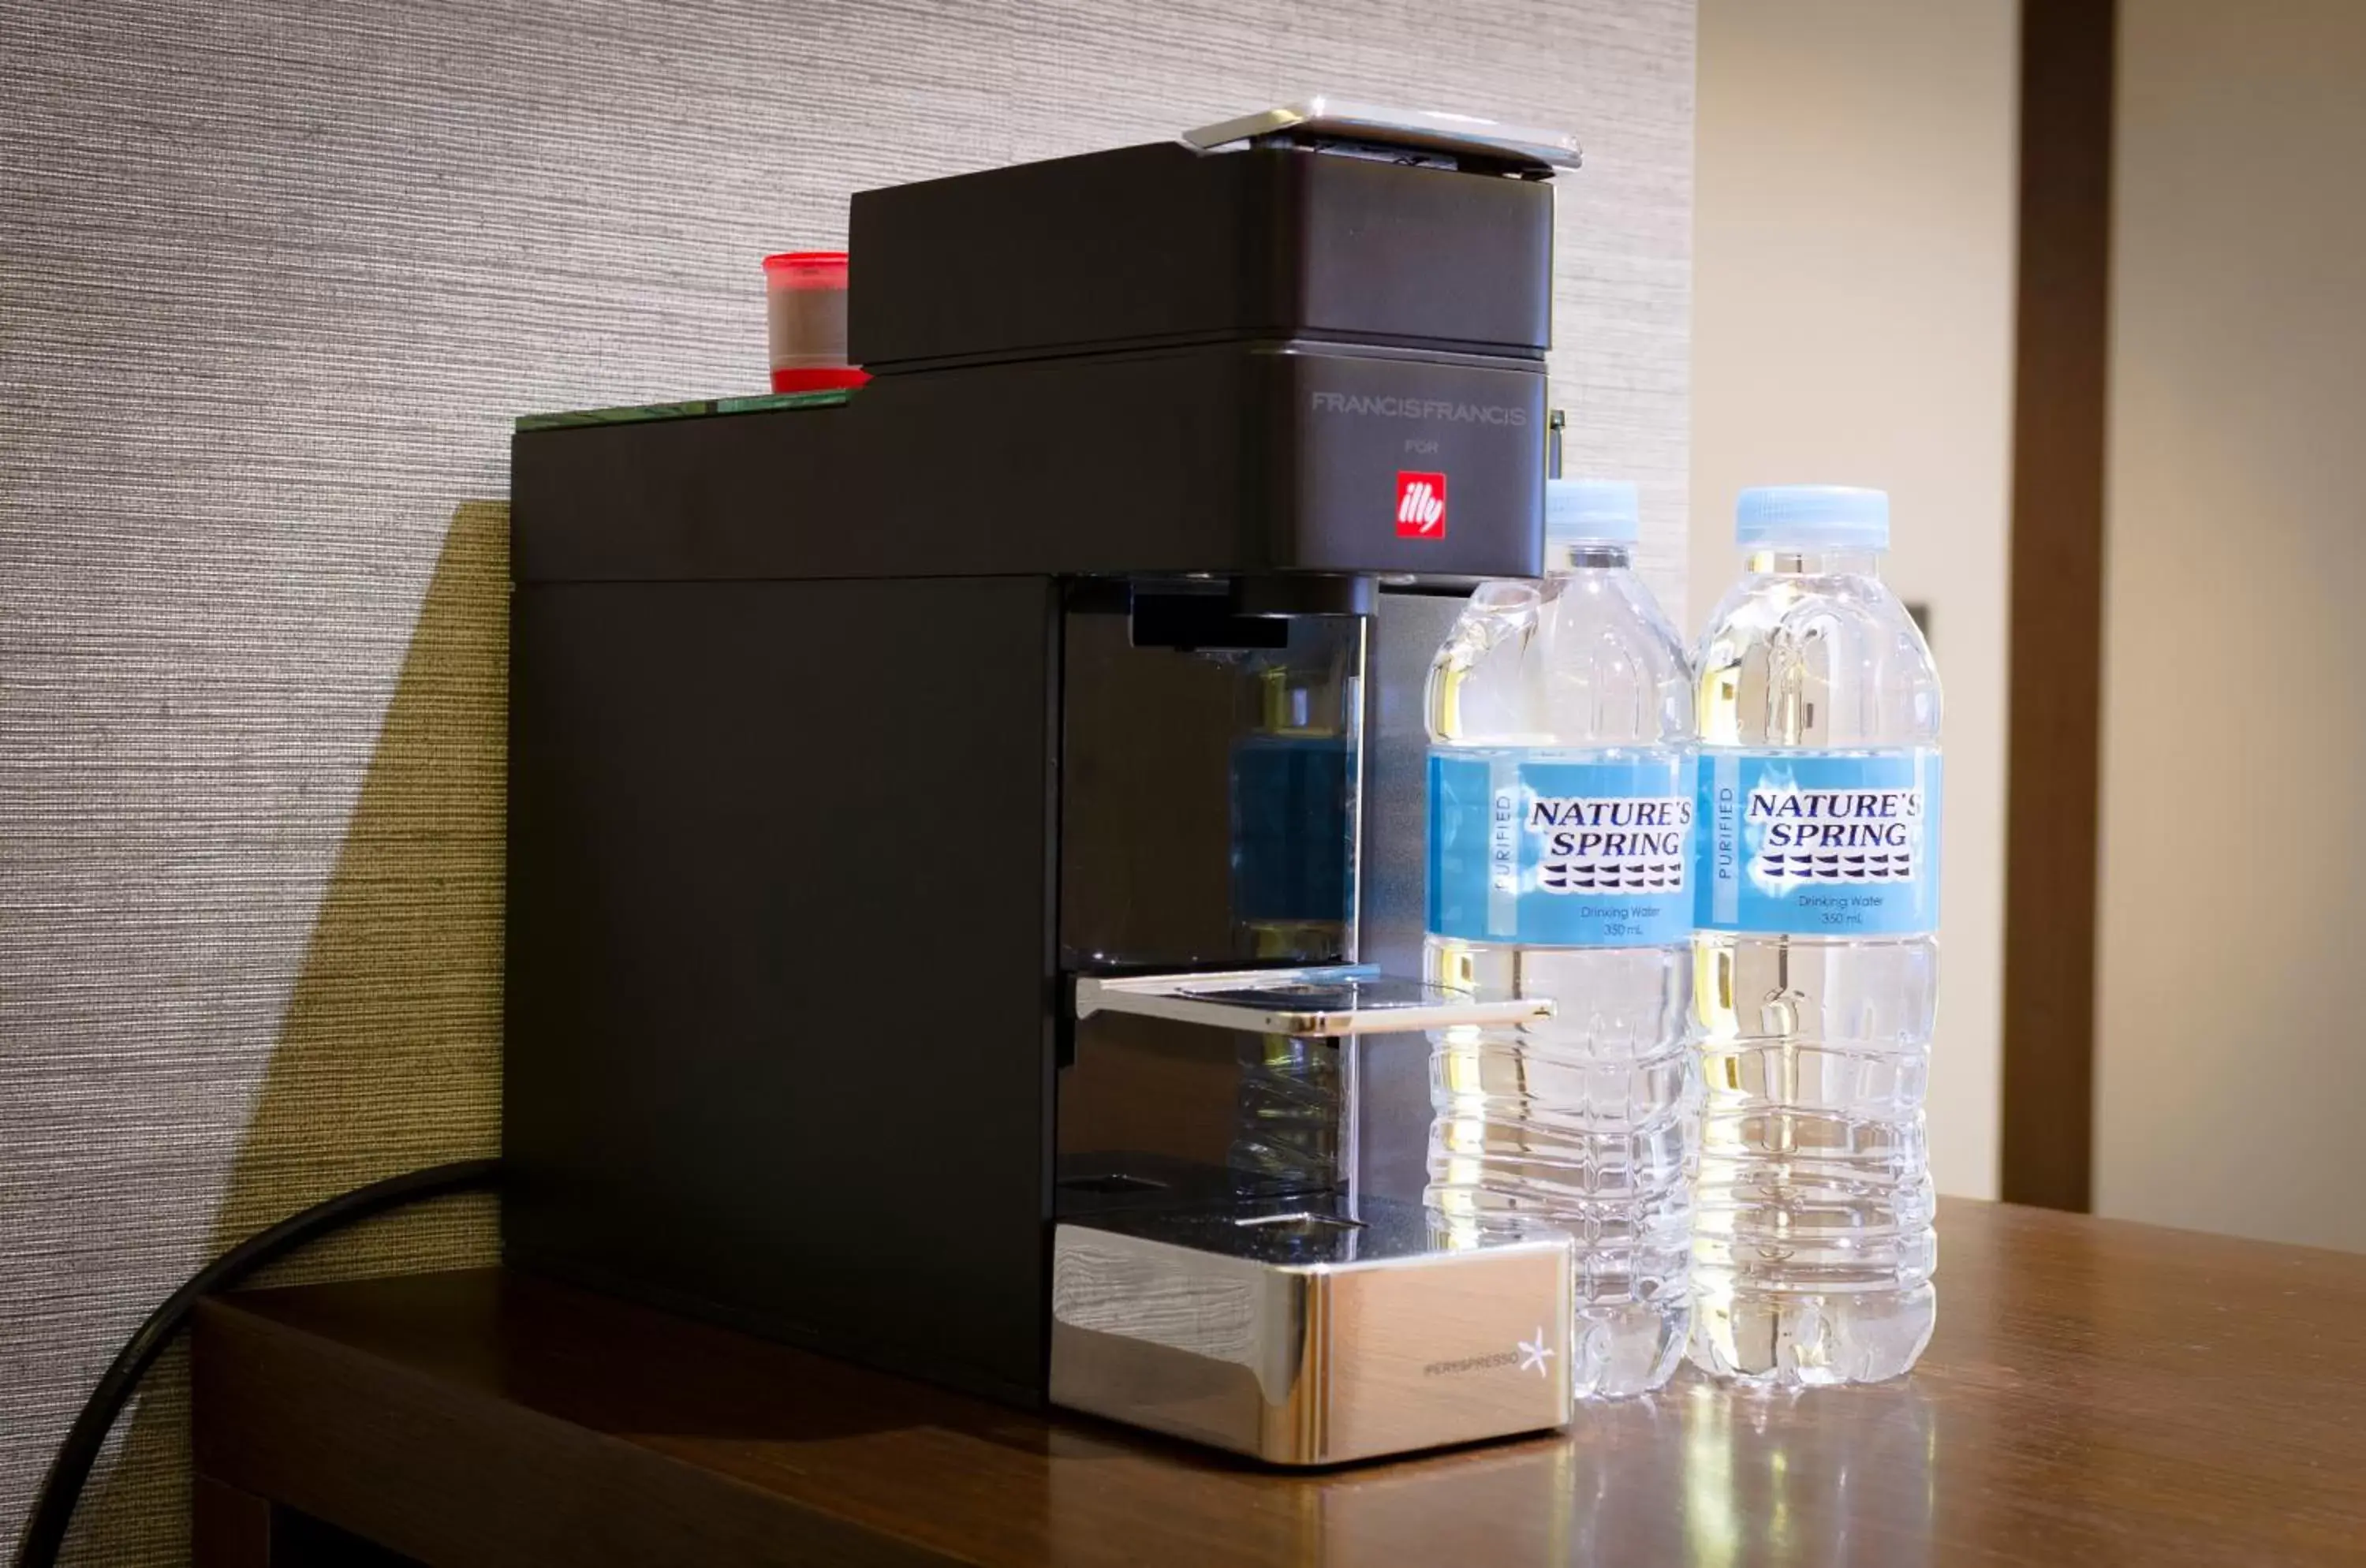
[[1421, 506]]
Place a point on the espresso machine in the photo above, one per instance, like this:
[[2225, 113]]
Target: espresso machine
[[941, 816]]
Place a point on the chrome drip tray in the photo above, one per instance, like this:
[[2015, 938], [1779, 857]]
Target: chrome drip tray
[[1308, 1330]]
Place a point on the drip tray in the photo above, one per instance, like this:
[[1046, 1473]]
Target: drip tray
[[1309, 1329]]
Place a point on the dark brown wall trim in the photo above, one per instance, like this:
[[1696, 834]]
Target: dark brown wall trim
[[2063, 337]]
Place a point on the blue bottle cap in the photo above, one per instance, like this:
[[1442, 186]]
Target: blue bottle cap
[[1599, 510], [1824, 517]]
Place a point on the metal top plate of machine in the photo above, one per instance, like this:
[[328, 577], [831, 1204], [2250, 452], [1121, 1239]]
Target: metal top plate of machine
[[1325, 120]]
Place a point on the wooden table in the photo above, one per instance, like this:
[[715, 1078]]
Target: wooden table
[[2097, 1393]]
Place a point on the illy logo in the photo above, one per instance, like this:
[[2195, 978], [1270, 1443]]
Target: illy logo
[[1421, 506]]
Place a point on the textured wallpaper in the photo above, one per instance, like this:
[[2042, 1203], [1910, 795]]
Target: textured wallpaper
[[273, 281]]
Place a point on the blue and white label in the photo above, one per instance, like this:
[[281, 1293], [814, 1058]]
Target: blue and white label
[[1819, 843], [1527, 846]]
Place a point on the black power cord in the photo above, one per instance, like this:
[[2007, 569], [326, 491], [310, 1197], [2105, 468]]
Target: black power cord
[[45, 1533]]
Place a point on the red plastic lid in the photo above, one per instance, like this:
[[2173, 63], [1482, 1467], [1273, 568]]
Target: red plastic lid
[[805, 269], [820, 379]]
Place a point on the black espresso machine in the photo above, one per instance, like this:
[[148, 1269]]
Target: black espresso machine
[[942, 815]]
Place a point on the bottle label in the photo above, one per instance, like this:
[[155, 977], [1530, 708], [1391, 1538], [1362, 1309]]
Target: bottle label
[[1528, 846], [1819, 843]]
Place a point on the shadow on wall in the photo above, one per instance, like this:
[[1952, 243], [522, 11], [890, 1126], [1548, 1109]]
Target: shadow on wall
[[388, 1056]]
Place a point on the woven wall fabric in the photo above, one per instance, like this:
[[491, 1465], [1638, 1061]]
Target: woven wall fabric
[[274, 280]]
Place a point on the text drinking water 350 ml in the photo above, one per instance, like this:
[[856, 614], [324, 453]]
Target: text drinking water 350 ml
[[1561, 820], [1817, 889]]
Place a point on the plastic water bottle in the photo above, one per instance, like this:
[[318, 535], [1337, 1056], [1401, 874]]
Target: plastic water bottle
[[1561, 815], [1818, 889]]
